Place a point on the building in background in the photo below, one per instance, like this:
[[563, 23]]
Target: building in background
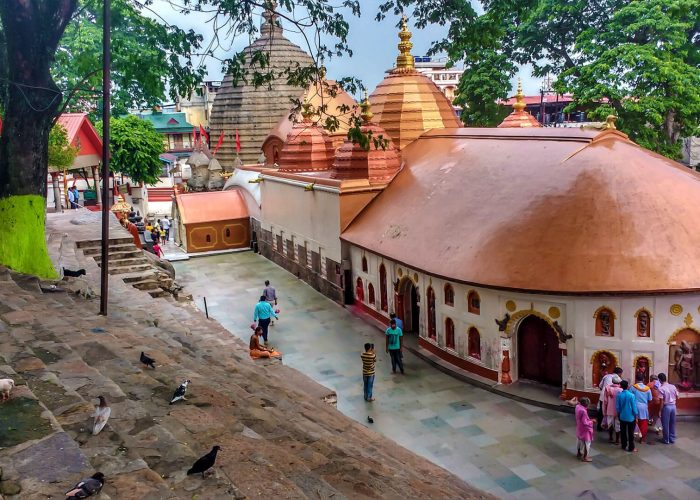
[[445, 78], [198, 105]]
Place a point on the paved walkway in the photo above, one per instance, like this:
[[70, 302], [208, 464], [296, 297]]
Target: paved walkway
[[510, 449]]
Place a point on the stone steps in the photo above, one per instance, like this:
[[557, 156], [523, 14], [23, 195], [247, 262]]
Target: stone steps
[[113, 249], [97, 244], [124, 263]]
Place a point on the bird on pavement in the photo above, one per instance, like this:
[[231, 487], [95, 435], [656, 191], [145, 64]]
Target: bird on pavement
[[148, 361], [87, 487], [370, 420], [73, 274], [180, 392], [205, 463], [102, 413]]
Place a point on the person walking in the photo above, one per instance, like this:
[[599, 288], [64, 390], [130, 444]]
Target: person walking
[[606, 381], [642, 395], [262, 314], [656, 403], [270, 295], [669, 395], [584, 430], [626, 406], [71, 199], [612, 423], [166, 227], [369, 359], [394, 346]]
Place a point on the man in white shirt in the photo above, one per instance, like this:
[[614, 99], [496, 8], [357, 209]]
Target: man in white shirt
[[165, 224], [607, 380]]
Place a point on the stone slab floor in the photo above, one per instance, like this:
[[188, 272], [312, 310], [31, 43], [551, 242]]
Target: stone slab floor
[[510, 449]]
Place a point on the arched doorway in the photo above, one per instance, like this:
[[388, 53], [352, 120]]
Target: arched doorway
[[407, 306], [539, 356]]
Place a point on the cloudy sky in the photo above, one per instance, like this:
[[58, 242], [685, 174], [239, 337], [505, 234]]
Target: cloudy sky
[[373, 44]]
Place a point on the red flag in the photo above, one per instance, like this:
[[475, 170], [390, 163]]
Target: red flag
[[194, 136], [238, 142], [203, 134], [0, 125], [218, 144]]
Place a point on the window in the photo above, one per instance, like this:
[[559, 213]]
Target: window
[[604, 322], [449, 295], [279, 243], [382, 288], [474, 343], [364, 264], [209, 238], [359, 290], [228, 233], [301, 251], [473, 302], [370, 293], [431, 314], [643, 323], [449, 333]]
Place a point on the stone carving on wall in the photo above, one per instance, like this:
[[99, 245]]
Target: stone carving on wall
[[503, 323], [684, 366], [642, 368], [602, 363], [563, 336], [684, 359]]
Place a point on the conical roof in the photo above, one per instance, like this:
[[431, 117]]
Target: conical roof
[[407, 103], [519, 118], [309, 148], [255, 111]]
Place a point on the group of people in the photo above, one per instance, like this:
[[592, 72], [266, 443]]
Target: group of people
[[394, 347], [626, 412], [262, 319], [160, 233], [73, 197]]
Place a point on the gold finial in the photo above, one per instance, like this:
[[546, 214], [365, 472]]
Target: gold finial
[[519, 105], [322, 72], [610, 122], [404, 61], [306, 109], [366, 108]]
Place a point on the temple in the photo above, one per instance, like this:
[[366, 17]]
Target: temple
[[516, 253]]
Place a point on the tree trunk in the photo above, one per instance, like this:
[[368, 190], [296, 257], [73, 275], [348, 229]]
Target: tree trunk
[[96, 179], [32, 32]]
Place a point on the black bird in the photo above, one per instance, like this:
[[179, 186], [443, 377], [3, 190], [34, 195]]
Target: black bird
[[73, 274], [370, 420], [205, 463], [87, 487], [180, 392], [148, 361]]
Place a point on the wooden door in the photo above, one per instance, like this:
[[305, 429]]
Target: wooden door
[[539, 356]]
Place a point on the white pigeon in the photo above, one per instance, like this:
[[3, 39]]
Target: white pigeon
[[180, 392], [101, 415]]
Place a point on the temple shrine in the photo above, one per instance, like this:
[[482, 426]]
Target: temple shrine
[[516, 253]]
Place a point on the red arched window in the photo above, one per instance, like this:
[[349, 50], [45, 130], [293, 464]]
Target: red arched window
[[431, 314], [474, 343], [382, 288], [364, 264], [449, 333], [604, 322], [643, 323], [473, 302], [360, 290], [449, 295], [370, 293]]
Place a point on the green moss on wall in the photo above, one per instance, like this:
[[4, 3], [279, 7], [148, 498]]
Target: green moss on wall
[[22, 240]]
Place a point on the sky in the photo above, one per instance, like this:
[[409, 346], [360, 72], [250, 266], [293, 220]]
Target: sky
[[374, 44]]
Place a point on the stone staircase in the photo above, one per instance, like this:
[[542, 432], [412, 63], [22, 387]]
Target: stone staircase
[[278, 441]]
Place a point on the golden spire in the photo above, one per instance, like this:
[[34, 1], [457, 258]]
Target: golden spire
[[404, 61], [322, 72], [366, 108], [306, 109], [610, 122], [519, 105]]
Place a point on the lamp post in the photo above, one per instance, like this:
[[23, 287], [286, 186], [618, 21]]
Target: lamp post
[[106, 84]]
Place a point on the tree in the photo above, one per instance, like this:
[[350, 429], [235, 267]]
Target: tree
[[135, 147], [61, 153]]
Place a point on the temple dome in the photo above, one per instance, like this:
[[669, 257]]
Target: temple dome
[[407, 103], [377, 164], [255, 111], [544, 210], [308, 148], [519, 118]]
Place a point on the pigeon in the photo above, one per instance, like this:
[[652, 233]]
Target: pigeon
[[180, 392], [73, 274], [205, 463], [87, 487], [148, 361], [6, 385], [102, 413], [370, 420]]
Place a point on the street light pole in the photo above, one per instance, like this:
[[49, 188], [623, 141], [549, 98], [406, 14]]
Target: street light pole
[[106, 84]]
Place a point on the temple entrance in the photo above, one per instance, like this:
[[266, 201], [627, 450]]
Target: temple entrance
[[539, 356], [407, 306]]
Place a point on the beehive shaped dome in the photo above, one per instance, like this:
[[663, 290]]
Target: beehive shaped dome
[[254, 111], [519, 118], [407, 103], [377, 164], [309, 148]]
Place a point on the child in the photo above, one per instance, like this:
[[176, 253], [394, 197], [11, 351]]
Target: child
[[369, 358], [584, 430]]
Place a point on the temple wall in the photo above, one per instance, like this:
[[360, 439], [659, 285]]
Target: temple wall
[[670, 314]]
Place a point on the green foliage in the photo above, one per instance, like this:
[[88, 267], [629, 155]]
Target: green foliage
[[61, 153], [135, 147]]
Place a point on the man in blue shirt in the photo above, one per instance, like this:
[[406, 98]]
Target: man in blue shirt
[[399, 321], [394, 346], [627, 412], [263, 314]]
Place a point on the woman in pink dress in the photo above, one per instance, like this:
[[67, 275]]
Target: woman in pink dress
[[584, 430]]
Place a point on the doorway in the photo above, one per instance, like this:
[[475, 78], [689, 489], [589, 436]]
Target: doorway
[[539, 356], [407, 306]]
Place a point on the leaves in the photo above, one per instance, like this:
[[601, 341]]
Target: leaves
[[61, 153]]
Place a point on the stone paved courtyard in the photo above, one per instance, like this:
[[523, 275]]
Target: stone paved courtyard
[[510, 449]]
